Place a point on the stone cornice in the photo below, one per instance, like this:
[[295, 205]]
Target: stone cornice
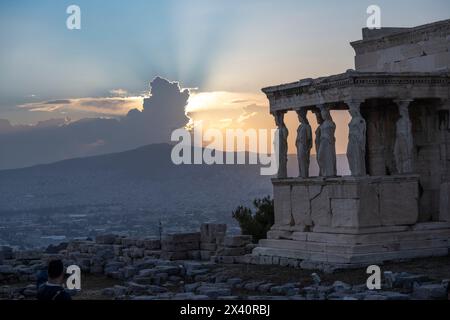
[[345, 179], [359, 78], [410, 35], [360, 86]]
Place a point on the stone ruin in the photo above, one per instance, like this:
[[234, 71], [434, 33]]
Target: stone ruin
[[396, 203], [144, 269]]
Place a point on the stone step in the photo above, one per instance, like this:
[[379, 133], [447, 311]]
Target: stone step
[[376, 237], [357, 259], [360, 248]]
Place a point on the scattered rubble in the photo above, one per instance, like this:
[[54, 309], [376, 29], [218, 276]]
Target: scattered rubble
[[184, 267]]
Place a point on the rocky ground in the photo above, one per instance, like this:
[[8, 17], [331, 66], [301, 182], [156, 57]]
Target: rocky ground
[[208, 265]]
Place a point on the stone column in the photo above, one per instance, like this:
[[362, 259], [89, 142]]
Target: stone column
[[356, 149], [281, 145], [319, 119], [444, 116], [444, 195], [404, 146], [327, 148], [303, 143]]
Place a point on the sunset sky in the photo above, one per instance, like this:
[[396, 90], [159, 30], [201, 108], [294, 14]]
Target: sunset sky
[[223, 51]]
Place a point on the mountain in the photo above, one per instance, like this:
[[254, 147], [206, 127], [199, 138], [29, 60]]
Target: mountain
[[128, 192], [122, 192]]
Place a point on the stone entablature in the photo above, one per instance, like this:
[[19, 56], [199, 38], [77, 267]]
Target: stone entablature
[[354, 85], [423, 48]]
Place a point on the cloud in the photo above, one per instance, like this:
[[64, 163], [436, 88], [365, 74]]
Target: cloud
[[239, 101], [140, 121], [113, 106], [238, 109], [119, 92], [45, 109], [58, 102]]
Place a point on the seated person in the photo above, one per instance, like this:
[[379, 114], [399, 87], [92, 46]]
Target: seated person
[[53, 289]]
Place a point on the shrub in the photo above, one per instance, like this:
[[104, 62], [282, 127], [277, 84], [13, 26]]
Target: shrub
[[256, 224]]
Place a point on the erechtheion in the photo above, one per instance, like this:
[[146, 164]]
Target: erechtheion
[[395, 205]]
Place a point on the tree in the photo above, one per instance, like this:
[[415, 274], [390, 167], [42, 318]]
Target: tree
[[256, 224]]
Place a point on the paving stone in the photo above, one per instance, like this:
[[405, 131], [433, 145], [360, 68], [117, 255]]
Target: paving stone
[[237, 241], [265, 287], [234, 281], [213, 291], [211, 232], [430, 292], [253, 285], [153, 289], [316, 279], [191, 287], [340, 286]]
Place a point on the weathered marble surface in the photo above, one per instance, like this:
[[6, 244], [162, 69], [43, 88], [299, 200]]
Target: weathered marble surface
[[326, 155], [352, 202], [303, 144], [281, 145], [356, 149], [398, 99], [404, 145], [347, 248], [419, 49]]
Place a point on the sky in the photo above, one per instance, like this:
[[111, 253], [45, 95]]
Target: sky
[[224, 52]]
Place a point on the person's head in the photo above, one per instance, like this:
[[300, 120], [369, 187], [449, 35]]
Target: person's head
[[56, 271], [279, 119], [318, 115], [325, 112], [302, 116]]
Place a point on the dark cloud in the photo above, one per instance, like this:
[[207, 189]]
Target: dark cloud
[[58, 102], [239, 101], [57, 139]]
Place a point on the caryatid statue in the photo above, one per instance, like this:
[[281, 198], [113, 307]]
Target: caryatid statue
[[317, 133], [303, 144], [282, 146], [327, 148], [356, 149], [404, 145]]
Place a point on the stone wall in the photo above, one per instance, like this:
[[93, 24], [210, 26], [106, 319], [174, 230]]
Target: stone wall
[[116, 256], [348, 202], [381, 116], [420, 49], [429, 136], [347, 248]]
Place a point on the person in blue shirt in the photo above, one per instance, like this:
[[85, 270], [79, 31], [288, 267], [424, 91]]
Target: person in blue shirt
[[53, 288]]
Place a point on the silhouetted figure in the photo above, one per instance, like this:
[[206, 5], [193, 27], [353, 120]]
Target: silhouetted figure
[[53, 289], [281, 145], [303, 144], [326, 155], [448, 291], [356, 149]]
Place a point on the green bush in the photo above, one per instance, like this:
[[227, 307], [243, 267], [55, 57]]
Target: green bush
[[256, 224]]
